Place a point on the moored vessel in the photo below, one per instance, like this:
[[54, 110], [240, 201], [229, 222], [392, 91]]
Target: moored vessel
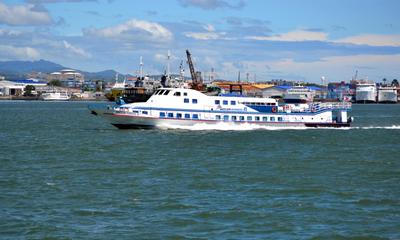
[[55, 96], [188, 107], [366, 93], [387, 94], [299, 94]]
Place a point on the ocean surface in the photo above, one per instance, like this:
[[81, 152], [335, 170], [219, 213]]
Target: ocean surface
[[67, 174]]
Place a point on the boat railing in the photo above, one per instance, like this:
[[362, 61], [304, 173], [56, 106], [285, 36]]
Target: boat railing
[[315, 107]]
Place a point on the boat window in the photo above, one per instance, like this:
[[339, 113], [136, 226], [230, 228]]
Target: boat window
[[195, 116], [186, 100], [226, 118], [170, 115], [161, 92], [257, 118], [280, 119], [166, 92], [144, 112], [225, 102], [249, 118], [185, 94], [234, 118], [217, 102], [177, 94], [187, 115], [162, 114], [156, 92], [272, 119], [233, 102], [218, 117], [194, 101], [265, 119], [241, 118], [179, 115]]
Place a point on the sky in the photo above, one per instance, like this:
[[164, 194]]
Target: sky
[[299, 40]]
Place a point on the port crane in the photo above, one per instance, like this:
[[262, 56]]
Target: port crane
[[197, 82]]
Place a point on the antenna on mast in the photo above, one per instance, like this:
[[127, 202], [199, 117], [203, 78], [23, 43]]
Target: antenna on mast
[[168, 57], [181, 71], [355, 76], [141, 68]]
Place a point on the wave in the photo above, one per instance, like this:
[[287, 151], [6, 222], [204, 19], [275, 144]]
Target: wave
[[249, 127], [379, 127]]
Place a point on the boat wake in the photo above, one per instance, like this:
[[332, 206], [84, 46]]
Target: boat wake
[[248, 127], [396, 127]]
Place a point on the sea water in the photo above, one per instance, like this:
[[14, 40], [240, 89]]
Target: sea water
[[67, 174]]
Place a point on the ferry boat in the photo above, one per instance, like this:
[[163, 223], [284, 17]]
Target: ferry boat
[[366, 93], [55, 96], [387, 94], [299, 94], [188, 107]]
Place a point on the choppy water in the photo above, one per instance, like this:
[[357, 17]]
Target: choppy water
[[66, 174]]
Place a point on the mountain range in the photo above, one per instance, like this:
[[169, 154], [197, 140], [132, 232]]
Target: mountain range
[[20, 69]]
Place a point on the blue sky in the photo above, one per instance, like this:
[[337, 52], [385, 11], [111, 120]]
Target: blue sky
[[268, 39]]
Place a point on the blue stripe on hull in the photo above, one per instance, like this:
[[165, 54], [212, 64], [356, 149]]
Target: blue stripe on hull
[[230, 112]]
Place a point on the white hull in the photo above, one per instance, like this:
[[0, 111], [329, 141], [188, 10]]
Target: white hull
[[126, 122], [55, 96], [366, 93], [387, 95]]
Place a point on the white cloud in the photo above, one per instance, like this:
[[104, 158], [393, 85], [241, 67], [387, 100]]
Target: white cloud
[[212, 4], [204, 35], [133, 29], [209, 28], [23, 15], [333, 68], [211, 34], [9, 33], [76, 50], [304, 35], [162, 57], [372, 40], [9, 52], [293, 36]]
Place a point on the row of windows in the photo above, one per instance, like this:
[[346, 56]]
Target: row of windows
[[259, 103], [178, 115], [186, 100], [166, 92], [247, 118], [162, 92], [178, 94], [224, 102]]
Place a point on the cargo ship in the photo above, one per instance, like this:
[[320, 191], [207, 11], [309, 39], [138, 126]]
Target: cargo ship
[[188, 107]]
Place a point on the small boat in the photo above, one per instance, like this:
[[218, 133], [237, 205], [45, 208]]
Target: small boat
[[55, 96], [188, 107]]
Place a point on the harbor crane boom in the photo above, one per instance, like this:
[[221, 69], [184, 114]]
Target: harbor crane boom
[[191, 66]]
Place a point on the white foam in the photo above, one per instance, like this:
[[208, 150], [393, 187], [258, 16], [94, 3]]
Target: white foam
[[379, 127]]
